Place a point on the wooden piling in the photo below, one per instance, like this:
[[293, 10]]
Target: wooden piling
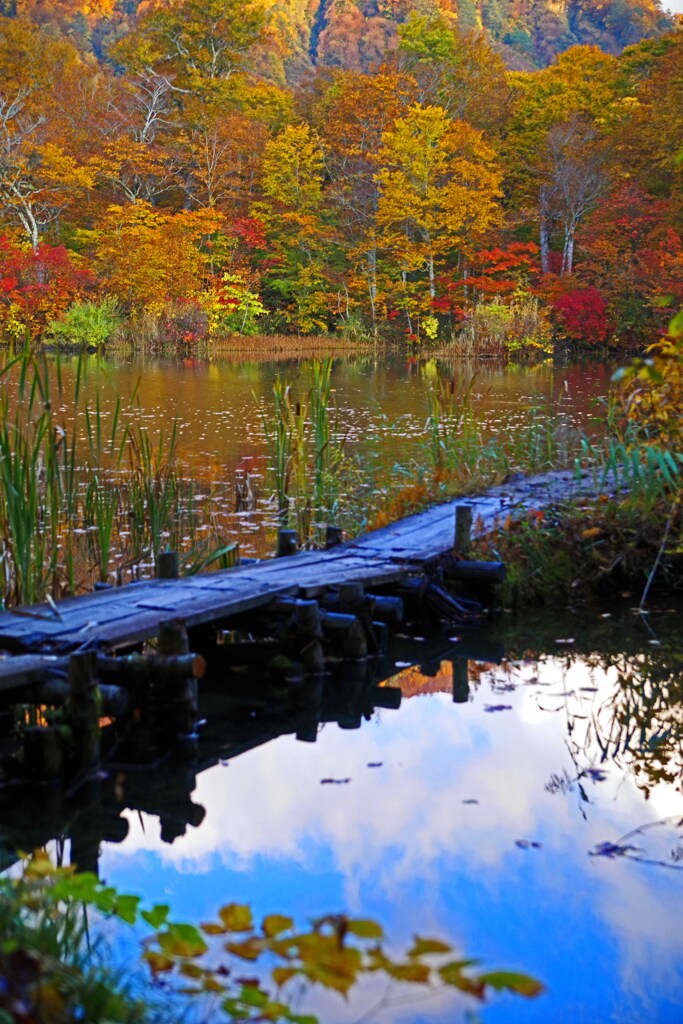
[[182, 692], [333, 537], [346, 633], [167, 565], [83, 709], [463, 529], [461, 683], [286, 543], [43, 752]]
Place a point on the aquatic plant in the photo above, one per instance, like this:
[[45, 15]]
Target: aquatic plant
[[45, 927], [81, 487], [306, 452]]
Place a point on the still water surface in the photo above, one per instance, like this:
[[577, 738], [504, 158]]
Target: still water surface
[[477, 821], [380, 411], [480, 822]]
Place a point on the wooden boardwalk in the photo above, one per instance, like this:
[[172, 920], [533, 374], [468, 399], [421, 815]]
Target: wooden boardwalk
[[126, 616]]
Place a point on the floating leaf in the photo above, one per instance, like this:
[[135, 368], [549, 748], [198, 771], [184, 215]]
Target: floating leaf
[[281, 975], [453, 974], [182, 940], [250, 949], [417, 973], [158, 962], [365, 929]]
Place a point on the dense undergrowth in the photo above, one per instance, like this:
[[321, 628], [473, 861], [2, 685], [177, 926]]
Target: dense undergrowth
[[621, 544]]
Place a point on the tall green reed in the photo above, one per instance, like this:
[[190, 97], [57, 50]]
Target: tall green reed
[[305, 451], [81, 484]]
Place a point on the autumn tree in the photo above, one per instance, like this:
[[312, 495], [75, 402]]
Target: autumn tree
[[39, 177], [439, 191], [460, 73], [355, 113], [556, 140], [293, 174]]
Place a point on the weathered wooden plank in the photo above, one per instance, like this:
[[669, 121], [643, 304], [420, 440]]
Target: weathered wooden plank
[[131, 614]]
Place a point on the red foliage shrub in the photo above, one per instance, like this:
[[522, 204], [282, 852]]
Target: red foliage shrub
[[37, 286], [582, 316]]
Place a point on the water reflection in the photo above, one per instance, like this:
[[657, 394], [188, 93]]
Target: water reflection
[[382, 407], [476, 814]]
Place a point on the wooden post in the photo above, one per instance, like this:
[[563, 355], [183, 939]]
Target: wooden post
[[42, 752], [386, 697], [286, 543], [463, 528], [345, 632], [351, 594], [333, 536], [183, 692], [461, 683], [167, 565], [84, 709]]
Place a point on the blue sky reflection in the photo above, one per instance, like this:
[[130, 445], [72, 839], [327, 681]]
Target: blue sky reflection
[[399, 843]]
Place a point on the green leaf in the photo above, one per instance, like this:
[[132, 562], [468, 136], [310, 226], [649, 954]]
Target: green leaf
[[126, 907], [365, 929], [157, 916], [252, 996], [522, 984], [182, 940], [422, 947], [275, 924], [676, 325]]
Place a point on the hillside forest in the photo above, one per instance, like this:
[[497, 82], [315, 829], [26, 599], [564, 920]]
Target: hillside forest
[[506, 174]]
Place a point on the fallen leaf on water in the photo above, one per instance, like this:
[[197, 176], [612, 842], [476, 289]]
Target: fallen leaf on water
[[613, 850]]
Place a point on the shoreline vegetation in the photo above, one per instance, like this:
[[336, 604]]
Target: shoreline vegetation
[[94, 498], [52, 971]]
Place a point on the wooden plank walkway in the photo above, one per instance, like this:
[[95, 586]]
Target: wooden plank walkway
[[129, 615]]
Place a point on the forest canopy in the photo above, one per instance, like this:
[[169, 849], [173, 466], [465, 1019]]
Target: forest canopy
[[415, 168]]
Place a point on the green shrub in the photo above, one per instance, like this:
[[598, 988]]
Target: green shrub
[[87, 323]]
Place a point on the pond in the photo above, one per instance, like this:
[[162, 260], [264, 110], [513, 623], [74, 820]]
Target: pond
[[480, 821], [380, 408], [523, 802]]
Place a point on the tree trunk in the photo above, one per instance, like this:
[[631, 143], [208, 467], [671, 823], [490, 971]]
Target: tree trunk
[[545, 244]]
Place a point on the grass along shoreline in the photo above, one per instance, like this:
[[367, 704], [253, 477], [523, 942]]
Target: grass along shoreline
[[90, 498]]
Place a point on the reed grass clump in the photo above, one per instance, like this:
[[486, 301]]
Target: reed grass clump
[[86, 496]]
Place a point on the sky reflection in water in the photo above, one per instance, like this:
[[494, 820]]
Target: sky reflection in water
[[403, 843]]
